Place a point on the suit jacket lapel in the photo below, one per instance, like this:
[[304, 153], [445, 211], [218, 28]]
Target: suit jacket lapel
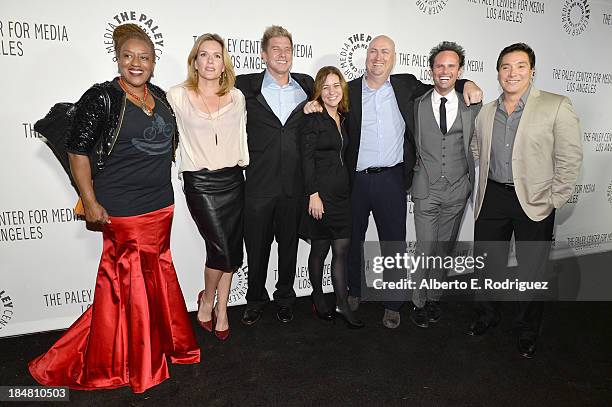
[[487, 135], [256, 87], [297, 109], [417, 121], [530, 106], [466, 120], [355, 110], [400, 95], [302, 82]]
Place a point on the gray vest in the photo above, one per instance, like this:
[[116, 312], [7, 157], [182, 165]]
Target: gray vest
[[441, 154]]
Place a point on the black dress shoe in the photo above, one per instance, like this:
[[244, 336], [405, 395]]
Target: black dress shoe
[[433, 311], [526, 346], [251, 316], [284, 314], [419, 317], [480, 326]]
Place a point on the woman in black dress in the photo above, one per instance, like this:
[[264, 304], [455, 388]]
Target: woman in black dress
[[328, 223]]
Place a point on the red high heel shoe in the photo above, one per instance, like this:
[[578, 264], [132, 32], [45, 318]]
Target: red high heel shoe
[[325, 315], [206, 325], [221, 335]]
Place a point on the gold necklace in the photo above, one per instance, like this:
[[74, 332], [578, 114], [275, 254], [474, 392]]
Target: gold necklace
[[213, 120], [143, 101]]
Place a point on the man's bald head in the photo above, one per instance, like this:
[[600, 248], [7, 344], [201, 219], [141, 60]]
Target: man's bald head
[[382, 41], [380, 58]]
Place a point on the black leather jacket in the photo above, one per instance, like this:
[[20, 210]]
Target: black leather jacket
[[93, 133]]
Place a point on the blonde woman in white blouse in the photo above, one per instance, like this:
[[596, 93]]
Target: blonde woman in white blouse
[[211, 118]]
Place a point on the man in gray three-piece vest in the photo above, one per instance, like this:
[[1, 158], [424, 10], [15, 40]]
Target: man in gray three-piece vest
[[444, 173]]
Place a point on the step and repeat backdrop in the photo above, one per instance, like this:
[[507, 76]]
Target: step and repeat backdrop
[[54, 51]]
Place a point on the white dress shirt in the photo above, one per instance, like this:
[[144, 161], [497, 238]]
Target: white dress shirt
[[452, 106]]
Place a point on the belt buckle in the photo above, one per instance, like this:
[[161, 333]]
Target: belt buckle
[[373, 170]]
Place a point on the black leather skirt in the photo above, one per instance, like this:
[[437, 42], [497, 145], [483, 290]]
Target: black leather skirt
[[215, 200]]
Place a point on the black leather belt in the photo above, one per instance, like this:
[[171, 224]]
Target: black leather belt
[[376, 170], [509, 187]]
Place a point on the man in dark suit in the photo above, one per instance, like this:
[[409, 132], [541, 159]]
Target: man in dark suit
[[444, 175], [274, 186], [381, 156]]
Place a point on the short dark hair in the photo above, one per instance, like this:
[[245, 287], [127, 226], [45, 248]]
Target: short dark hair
[[447, 46], [519, 46]]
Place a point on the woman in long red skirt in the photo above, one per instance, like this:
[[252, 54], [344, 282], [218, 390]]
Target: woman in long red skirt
[[124, 131]]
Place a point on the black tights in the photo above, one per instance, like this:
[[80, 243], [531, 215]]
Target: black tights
[[316, 259]]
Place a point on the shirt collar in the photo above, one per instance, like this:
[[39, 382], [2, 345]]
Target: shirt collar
[[521, 103], [365, 87], [450, 98], [270, 82]]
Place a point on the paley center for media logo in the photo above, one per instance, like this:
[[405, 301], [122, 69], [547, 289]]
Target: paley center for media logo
[[144, 21], [431, 6], [575, 16], [353, 55]]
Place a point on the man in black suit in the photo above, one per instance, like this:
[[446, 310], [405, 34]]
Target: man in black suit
[[381, 156], [274, 186]]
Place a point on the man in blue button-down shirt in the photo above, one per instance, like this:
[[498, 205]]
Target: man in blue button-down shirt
[[381, 156], [382, 128]]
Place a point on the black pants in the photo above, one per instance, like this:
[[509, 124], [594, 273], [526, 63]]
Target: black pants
[[268, 218], [384, 195], [501, 215]]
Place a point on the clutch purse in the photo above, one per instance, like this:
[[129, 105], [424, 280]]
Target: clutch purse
[[79, 209]]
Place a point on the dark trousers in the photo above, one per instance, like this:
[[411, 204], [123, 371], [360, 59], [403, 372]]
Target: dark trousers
[[268, 218], [501, 215], [384, 195]]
